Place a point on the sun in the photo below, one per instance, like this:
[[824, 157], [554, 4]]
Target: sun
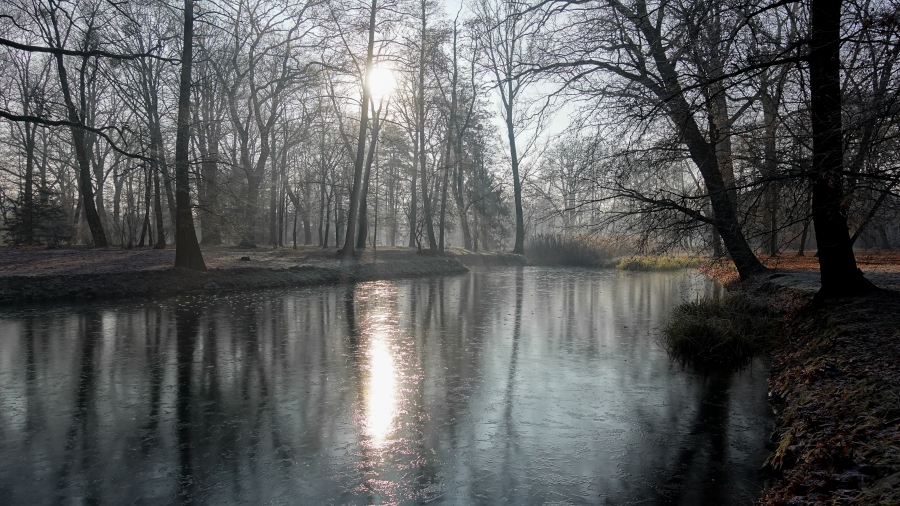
[[381, 82]]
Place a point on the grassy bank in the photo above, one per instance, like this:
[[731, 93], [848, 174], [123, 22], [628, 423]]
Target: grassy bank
[[169, 282], [834, 384], [657, 263], [835, 388]]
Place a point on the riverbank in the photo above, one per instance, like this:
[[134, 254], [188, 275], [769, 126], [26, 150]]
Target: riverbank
[[37, 275], [834, 387]]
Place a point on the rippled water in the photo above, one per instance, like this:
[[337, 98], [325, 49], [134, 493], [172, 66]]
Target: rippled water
[[516, 386]]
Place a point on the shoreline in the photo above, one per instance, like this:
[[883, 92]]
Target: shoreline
[[834, 387], [43, 276], [19, 290]]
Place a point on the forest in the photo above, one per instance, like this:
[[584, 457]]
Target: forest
[[741, 128], [360, 251]]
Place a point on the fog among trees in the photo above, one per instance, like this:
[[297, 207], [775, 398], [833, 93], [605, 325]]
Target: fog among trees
[[744, 129]]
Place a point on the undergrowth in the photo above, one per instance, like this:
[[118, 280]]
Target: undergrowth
[[725, 330], [657, 263]]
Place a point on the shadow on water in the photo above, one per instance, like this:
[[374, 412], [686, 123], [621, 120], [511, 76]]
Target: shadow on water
[[516, 386], [697, 475], [186, 325], [79, 441]]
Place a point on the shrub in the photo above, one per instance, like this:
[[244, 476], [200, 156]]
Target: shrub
[[726, 330], [648, 263], [47, 222]]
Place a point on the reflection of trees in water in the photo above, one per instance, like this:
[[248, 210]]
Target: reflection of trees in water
[[186, 326], [697, 474], [79, 438], [155, 368], [511, 448], [249, 406], [35, 414]]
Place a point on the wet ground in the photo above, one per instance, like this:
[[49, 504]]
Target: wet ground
[[515, 386]]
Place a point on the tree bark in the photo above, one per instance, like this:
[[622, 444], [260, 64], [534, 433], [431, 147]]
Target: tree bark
[[187, 249], [158, 213], [208, 133], [420, 132]]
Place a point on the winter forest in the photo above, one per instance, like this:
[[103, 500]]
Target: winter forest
[[487, 124], [450, 252]]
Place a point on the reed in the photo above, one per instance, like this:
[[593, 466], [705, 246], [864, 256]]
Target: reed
[[574, 250]]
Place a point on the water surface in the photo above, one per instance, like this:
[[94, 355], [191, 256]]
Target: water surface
[[511, 386]]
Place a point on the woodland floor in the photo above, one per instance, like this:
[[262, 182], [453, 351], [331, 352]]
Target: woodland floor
[[835, 386], [76, 261]]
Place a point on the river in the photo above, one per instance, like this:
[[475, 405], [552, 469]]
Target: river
[[503, 386]]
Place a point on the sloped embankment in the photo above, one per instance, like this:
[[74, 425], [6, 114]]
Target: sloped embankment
[[835, 388], [168, 282]]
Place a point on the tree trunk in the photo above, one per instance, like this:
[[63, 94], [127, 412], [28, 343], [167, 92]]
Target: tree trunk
[[28, 220], [671, 94], [307, 229], [147, 200], [348, 250], [519, 247], [837, 263], [187, 249], [323, 206], [461, 207], [158, 213], [207, 194], [413, 204], [770, 166], [85, 183], [420, 132], [273, 197], [363, 232]]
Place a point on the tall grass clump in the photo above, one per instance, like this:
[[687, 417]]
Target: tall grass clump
[[657, 263], [726, 330], [575, 250]]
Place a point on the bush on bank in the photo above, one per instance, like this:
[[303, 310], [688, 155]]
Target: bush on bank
[[718, 330]]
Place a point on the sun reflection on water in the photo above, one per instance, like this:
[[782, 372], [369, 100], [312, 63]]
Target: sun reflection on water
[[381, 390]]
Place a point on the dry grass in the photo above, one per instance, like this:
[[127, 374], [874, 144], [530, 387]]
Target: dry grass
[[836, 390], [657, 263], [573, 250]]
